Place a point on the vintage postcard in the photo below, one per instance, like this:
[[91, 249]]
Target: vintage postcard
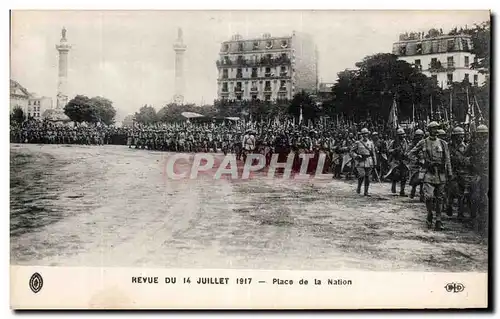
[[249, 159]]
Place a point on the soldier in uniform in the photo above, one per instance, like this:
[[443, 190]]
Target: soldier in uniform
[[416, 172], [399, 169], [459, 188], [363, 153], [479, 158], [438, 170]]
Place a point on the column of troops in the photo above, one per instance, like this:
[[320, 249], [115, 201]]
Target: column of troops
[[439, 167]]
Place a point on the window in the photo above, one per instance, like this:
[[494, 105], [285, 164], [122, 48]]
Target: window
[[224, 74], [238, 86], [268, 97], [240, 46], [450, 62], [466, 61], [225, 48], [224, 87], [450, 78], [239, 73], [227, 60], [466, 77], [476, 79], [419, 48], [282, 85], [254, 86], [418, 64], [451, 45], [238, 97], [268, 72], [254, 97], [402, 50], [254, 72], [267, 86], [256, 45], [29, 102], [284, 56], [282, 96], [284, 43]]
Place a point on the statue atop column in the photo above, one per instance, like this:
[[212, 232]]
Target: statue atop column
[[63, 34]]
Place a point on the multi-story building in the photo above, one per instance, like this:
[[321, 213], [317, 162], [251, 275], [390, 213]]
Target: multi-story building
[[38, 105], [446, 58], [19, 97], [267, 68]]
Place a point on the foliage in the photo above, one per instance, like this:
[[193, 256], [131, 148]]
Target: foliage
[[91, 110], [146, 115], [368, 91], [310, 110], [17, 116]]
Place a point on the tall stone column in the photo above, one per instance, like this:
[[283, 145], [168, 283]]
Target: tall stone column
[[62, 94], [179, 48]]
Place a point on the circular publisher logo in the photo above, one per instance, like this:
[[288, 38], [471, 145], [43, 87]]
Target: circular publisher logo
[[36, 282]]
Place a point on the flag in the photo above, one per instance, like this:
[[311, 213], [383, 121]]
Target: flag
[[393, 117], [300, 116]]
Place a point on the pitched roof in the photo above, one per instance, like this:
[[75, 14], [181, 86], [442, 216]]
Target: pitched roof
[[15, 84]]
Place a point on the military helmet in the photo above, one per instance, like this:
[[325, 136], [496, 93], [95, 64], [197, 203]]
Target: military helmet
[[400, 131], [375, 133], [458, 131], [365, 131], [419, 132], [433, 124], [441, 132], [482, 129]]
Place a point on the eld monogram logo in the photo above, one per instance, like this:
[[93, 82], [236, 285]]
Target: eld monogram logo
[[454, 287], [36, 282]]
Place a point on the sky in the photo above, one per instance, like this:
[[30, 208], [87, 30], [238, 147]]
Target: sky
[[127, 56]]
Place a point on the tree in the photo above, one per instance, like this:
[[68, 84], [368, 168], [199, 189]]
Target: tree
[[146, 115], [310, 110], [481, 40], [91, 110], [369, 91], [79, 109], [103, 110], [17, 116]]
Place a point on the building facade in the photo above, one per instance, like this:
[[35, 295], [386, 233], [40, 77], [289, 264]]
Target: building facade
[[446, 58], [266, 68], [19, 97], [37, 106]]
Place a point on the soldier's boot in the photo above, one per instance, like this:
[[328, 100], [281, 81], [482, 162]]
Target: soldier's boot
[[461, 207], [421, 199], [413, 191], [393, 187], [439, 224], [360, 182], [367, 185], [402, 190], [429, 204]]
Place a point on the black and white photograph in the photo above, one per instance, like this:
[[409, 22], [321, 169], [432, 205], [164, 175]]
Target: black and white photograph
[[315, 140]]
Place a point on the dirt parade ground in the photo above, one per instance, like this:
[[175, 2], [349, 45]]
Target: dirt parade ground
[[114, 206]]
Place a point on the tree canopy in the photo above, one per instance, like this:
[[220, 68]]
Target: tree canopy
[[92, 110]]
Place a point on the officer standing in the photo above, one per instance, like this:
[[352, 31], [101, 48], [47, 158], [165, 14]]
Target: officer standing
[[363, 153], [437, 171]]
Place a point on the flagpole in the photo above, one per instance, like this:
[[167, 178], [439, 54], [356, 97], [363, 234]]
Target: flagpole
[[432, 113]]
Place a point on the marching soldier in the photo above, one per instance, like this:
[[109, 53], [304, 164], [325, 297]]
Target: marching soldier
[[459, 188], [399, 169], [437, 171], [416, 173], [363, 152], [479, 158]]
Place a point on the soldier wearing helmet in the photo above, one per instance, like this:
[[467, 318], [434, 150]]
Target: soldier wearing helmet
[[479, 158], [438, 171], [460, 186], [416, 173], [398, 170], [363, 153]]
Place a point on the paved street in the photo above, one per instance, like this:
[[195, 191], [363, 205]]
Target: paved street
[[113, 206]]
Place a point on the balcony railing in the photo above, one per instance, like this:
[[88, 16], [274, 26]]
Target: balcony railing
[[254, 89], [268, 74], [267, 89], [284, 73], [238, 90], [283, 88], [239, 75]]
